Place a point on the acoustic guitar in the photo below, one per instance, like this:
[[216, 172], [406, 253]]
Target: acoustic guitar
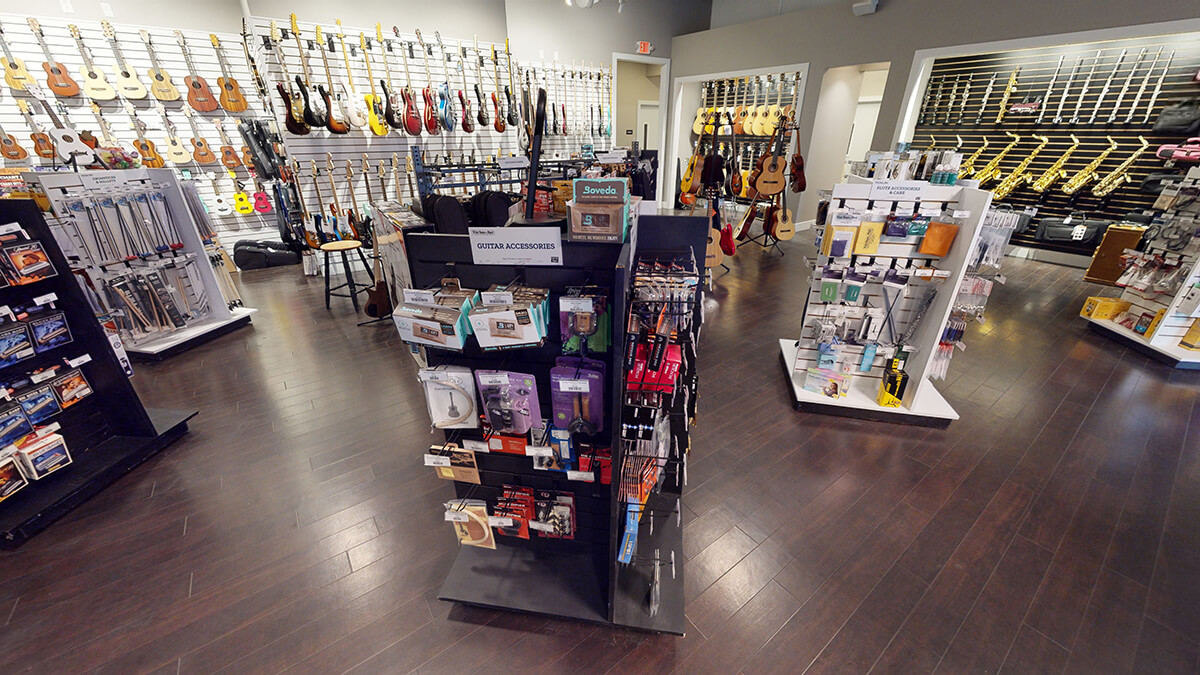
[[95, 83], [16, 75], [762, 113], [740, 112], [174, 149], [10, 148], [219, 204], [231, 97], [768, 177], [67, 141], [713, 255], [57, 78], [127, 82], [150, 157], [229, 157], [703, 111], [743, 227], [42, 145], [199, 94], [241, 200], [161, 86], [774, 110]]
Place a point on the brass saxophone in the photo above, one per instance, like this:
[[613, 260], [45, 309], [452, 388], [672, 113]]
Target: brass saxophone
[[992, 170], [1088, 173], [1120, 175], [1056, 172], [968, 165], [1018, 177]]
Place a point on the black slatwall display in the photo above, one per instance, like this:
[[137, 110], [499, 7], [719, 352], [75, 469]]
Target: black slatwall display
[[939, 117]]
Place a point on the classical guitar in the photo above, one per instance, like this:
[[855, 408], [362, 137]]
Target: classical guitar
[[446, 112], [106, 135], [739, 111], [464, 99], [335, 121], [293, 102], [736, 184], [199, 94], [127, 82], [743, 227], [42, 145], [316, 114], [768, 177], [751, 109], [714, 120], [713, 255], [376, 114], [10, 148], [482, 115], [796, 179], [57, 78], [432, 125], [174, 150], [788, 111], [16, 75], [497, 105], [762, 112], [778, 220], [231, 97], [354, 108], [67, 142], [774, 110], [161, 86], [229, 157], [150, 157]]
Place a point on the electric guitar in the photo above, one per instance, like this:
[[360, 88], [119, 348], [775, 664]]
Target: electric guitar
[[309, 236], [525, 129], [199, 95], [95, 84], [316, 114], [608, 98], [150, 157], [67, 142], [336, 119], [468, 124], [16, 75], [514, 115], [562, 103], [482, 115], [497, 106], [553, 117], [106, 134], [229, 157], [128, 84], [446, 113], [341, 228], [406, 111], [354, 108], [9, 148], [432, 124], [174, 149], [231, 97], [161, 86], [359, 223], [42, 145], [57, 78], [376, 114], [392, 105], [293, 102]]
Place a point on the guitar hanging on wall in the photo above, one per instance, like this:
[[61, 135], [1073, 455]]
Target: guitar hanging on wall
[[231, 97], [42, 145], [200, 95], [354, 108], [293, 102], [336, 119], [95, 83], [57, 78], [432, 124], [174, 150], [161, 86], [446, 112], [315, 112], [16, 75], [376, 111], [229, 156], [127, 83]]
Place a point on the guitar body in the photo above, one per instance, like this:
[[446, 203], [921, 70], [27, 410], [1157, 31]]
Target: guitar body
[[10, 149], [513, 117], [200, 95], [128, 84], [772, 120], [262, 203], [379, 301], [332, 123], [785, 229], [58, 80], [231, 97], [713, 255], [16, 75], [468, 124], [698, 123], [161, 86], [735, 184], [770, 219], [796, 179], [743, 227], [42, 145], [498, 123], [686, 182], [376, 116], [739, 120], [482, 116], [220, 205], [727, 245], [354, 112], [430, 113], [391, 111], [67, 143], [293, 118], [88, 139], [96, 85], [446, 108], [411, 121], [760, 121], [175, 151], [229, 157], [247, 157], [242, 203], [770, 179], [150, 157]]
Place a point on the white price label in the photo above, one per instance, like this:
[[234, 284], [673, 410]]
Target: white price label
[[960, 345], [493, 379], [538, 451], [496, 443], [540, 527], [508, 163], [959, 213], [9, 228], [475, 446], [1001, 279], [496, 298], [416, 297], [585, 476], [575, 304], [79, 360], [500, 521], [611, 157], [456, 517], [45, 299], [574, 386], [42, 376], [436, 460]]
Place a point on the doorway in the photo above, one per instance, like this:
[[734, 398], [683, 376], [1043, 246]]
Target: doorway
[[640, 86], [647, 131]]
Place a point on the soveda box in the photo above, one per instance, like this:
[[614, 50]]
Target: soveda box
[[601, 190], [600, 210]]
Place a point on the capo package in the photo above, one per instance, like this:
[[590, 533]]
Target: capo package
[[510, 401]]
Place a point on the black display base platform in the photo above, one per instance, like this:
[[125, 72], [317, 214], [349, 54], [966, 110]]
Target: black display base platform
[[631, 602], [34, 508], [513, 578], [193, 337]]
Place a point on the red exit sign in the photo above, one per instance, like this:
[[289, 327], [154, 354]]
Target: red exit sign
[[644, 47]]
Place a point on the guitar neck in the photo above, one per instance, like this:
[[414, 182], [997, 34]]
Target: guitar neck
[[42, 43], [53, 116], [303, 59], [7, 51], [223, 64], [328, 72], [84, 53], [346, 60], [153, 56], [187, 58]]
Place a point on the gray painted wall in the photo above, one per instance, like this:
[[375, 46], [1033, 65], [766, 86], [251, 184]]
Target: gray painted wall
[[454, 18], [594, 34], [832, 36], [731, 12], [210, 15]]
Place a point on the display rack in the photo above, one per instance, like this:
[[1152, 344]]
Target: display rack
[[922, 403], [572, 578], [108, 432], [1163, 343], [214, 313]]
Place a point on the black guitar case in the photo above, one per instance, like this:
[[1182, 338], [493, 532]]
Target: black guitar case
[[449, 216]]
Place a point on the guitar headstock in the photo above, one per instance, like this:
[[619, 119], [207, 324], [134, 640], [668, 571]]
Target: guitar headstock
[[408, 163], [329, 162], [418, 32], [218, 123], [181, 40], [314, 169], [145, 36], [362, 41], [215, 42], [340, 34], [295, 26], [318, 38], [275, 35], [23, 106], [381, 166], [95, 108], [349, 169], [379, 32], [74, 31], [438, 34], [108, 29], [34, 26]]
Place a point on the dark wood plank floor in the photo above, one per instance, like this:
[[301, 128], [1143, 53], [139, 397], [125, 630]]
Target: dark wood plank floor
[[1052, 529]]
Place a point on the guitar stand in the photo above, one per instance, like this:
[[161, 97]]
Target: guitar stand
[[764, 240]]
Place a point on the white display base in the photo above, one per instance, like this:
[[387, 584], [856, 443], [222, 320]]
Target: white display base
[[1176, 356], [180, 340], [929, 408]]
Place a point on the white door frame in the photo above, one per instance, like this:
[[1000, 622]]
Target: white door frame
[[664, 100]]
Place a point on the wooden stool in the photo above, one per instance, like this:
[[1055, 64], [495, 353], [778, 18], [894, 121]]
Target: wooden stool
[[341, 247]]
